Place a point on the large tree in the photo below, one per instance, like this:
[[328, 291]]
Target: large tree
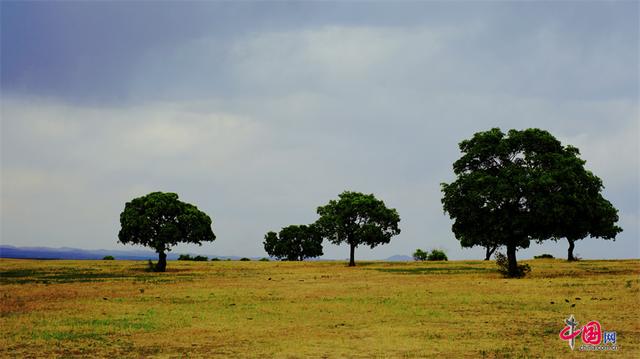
[[357, 219], [294, 243], [577, 208], [514, 188], [159, 220]]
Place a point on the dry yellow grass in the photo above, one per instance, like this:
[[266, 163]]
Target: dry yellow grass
[[311, 309]]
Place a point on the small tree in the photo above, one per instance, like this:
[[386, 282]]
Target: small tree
[[294, 243], [159, 220], [420, 255], [357, 219], [108, 258], [437, 255]]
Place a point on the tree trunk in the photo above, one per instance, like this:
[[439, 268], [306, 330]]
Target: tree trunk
[[572, 245], [513, 264], [161, 266], [352, 260], [489, 252]]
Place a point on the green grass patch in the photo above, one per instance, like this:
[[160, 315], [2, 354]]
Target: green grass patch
[[67, 336], [145, 324], [68, 275], [436, 270], [96, 328]]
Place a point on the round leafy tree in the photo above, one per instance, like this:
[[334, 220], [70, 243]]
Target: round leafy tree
[[437, 255], [159, 221], [294, 243], [420, 255], [357, 219], [511, 189], [573, 203]]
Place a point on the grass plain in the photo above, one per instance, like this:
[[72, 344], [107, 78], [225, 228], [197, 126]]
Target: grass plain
[[450, 309]]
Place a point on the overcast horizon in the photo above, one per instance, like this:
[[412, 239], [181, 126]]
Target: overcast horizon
[[259, 112]]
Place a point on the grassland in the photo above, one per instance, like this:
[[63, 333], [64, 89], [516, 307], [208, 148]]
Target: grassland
[[311, 309]]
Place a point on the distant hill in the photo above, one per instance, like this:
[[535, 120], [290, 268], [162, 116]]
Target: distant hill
[[7, 251], [399, 258]]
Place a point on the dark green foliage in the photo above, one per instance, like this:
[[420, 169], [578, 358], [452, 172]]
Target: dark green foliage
[[357, 219], [186, 257], [511, 189], [420, 255], [245, 259], [294, 243], [503, 267], [434, 255], [544, 256], [159, 220], [264, 259], [437, 255], [215, 259], [581, 210], [108, 258]]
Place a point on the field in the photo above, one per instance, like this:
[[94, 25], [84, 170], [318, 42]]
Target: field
[[311, 309]]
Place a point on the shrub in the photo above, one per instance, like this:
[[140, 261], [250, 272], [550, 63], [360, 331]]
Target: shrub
[[437, 255], [108, 258], [544, 256], [420, 255], [215, 259], [264, 259], [503, 266], [186, 257], [245, 259]]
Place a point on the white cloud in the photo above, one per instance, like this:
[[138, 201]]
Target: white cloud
[[332, 55], [113, 138]]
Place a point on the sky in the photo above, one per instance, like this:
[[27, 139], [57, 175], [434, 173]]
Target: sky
[[259, 112]]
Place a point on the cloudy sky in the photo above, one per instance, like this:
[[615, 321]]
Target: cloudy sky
[[258, 112]]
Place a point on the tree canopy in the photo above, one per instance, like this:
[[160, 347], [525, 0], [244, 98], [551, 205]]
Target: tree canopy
[[577, 208], [294, 243], [159, 221], [357, 219], [522, 186], [420, 255]]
